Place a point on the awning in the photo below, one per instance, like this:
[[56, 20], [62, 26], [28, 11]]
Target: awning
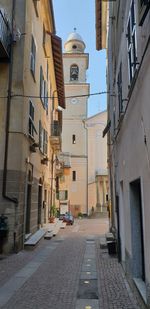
[[107, 128], [101, 24], [58, 66]]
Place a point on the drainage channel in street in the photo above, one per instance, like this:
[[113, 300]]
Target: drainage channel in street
[[87, 295]]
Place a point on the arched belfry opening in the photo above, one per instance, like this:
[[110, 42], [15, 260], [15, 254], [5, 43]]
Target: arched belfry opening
[[74, 72]]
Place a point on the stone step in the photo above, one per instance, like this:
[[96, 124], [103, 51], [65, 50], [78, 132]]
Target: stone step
[[35, 238], [63, 225], [103, 243], [110, 236], [48, 235], [99, 215]]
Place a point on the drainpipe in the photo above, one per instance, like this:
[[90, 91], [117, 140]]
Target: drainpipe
[[14, 200], [52, 159], [87, 163], [52, 172], [4, 185]]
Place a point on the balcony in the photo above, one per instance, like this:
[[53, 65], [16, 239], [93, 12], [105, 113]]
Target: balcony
[[59, 169], [66, 159], [55, 138], [5, 37], [101, 172]]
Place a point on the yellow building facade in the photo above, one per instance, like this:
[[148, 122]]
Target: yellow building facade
[[31, 91], [73, 186], [98, 187]]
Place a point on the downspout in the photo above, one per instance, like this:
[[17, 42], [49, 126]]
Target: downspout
[[14, 200], [52, 159], [87, 164], [4, 185]]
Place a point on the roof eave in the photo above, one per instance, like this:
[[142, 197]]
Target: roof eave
[[58, 67], [101, 24]]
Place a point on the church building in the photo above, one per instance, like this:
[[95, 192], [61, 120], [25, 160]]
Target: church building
[[73, 185]]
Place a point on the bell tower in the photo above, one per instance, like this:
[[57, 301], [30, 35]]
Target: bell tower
[[74, 133]]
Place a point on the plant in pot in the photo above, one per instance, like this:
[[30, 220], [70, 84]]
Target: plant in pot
[[53, 212]]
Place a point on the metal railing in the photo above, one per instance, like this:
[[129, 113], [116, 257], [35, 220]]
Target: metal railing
[[5, 35], [55, 128]]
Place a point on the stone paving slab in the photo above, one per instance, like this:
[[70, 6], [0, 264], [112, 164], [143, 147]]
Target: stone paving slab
[[17, 281], [87, 289], [56, 281], [87, 304], [88, 267], [88, 275]]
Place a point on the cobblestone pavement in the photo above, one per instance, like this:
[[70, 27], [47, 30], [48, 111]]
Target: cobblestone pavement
[[56, 273]]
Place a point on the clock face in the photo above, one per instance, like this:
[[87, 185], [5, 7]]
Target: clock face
[[74, 100]]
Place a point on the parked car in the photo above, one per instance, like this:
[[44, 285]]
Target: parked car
[[68, 218]]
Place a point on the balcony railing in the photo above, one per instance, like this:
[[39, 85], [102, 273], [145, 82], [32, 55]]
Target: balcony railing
[[65, 157], [101, 172], [55, 128], [55, 137], [5, 37]]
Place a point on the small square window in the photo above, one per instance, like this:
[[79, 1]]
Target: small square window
[[73, 175], [73, 139]]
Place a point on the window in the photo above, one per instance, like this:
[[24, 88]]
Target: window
[[144, 7], [44, 35], [73, 175], [47, 71], [42, 85], [46, 96], [43, 90], [57, 186], [119, 84], [43, 139], [32, 129], [131, 42], [74, 46], [63, 195], [73, 139], [74, 72], [32, 56]]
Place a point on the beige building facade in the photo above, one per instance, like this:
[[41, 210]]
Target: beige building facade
[[128, 74], [98, 188], [74, 133], [31, 89]]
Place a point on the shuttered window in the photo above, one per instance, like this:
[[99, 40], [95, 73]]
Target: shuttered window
[[32, 56], [43, 90], [32, 128], [43, 139], [132, 42]]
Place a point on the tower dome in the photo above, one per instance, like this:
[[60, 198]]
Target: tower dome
[[74, 43]]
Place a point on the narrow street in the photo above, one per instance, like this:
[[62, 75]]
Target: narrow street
[[70, 271]]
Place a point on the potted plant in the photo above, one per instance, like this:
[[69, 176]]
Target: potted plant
[[80, 215], [53, 212]]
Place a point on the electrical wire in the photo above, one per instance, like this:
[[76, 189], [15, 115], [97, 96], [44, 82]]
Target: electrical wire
[[53, 97]]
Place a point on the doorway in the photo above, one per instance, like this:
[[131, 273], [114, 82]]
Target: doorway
[[39, 221], [28, 209], [137, 237]]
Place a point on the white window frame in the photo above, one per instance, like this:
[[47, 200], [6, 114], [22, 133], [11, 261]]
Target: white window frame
[[33, 56], [32, 128], [132, 42]]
